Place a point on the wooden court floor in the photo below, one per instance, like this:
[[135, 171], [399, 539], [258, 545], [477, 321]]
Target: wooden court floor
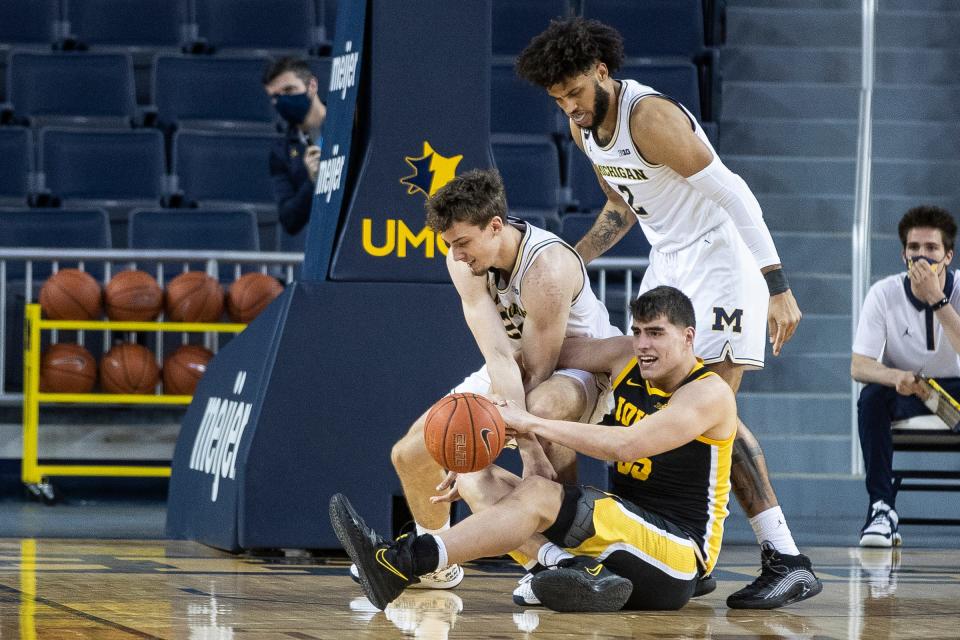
[[169, 589]]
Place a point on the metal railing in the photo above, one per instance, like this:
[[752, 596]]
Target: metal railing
[[162, 264], [166, 262]]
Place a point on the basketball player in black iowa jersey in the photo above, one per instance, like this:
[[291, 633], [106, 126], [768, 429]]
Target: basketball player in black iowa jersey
[[641, 548]]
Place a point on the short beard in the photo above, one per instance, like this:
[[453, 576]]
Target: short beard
[[601, 105]]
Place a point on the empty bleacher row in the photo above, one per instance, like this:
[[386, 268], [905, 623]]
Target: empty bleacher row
[[157, 103]]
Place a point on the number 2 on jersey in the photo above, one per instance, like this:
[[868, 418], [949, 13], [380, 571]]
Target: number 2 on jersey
[[628, 195]]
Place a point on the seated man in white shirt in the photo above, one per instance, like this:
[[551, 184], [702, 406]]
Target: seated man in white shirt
[[909, 327]]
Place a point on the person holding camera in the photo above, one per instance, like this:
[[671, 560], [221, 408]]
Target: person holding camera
[[295, 159]]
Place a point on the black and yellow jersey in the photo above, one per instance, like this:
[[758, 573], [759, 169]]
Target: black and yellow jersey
[[689, 485]]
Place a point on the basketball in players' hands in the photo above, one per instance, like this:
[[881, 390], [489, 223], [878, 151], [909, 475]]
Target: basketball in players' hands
[[464, 432]]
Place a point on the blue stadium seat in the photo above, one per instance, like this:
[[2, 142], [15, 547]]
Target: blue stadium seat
[[74, 88], [534, 217], [53, 229], [519, 107], [516, 23], [114, 168], [211, 92], [214, 229], [220, 168], [126, 23], [530, 167], [197, 230], [574, 226], [653, 28], [257, 24], [582, 182], [48, 229], [16, 167], [675, 79], [28, 21]]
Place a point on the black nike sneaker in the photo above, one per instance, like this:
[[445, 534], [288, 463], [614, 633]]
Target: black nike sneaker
[[581, 584], [783, 580], [705, 585], [385, 569]]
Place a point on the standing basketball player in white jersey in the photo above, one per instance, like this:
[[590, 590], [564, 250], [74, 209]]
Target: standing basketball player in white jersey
[[523, 291], [709, 240]]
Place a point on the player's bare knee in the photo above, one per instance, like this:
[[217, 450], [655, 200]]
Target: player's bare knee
[[409, 452], [553, 405]]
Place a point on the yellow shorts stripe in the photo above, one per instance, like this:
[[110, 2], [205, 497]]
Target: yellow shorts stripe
[[618, 529]]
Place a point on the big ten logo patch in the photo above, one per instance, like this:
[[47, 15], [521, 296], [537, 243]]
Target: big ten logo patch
[[638, 469], [723, 321], [431, 170]]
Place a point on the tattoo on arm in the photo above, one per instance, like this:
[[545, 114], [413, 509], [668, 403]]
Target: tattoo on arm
[[604, 233], [748, 474]]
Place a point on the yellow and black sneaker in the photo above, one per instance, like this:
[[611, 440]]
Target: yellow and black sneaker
[[385, 569], [581, 583]]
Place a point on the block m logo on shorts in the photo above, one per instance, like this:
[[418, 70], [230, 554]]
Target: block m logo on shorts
[[723, 320]]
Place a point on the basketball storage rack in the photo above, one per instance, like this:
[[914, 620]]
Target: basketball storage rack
[[35, 475]]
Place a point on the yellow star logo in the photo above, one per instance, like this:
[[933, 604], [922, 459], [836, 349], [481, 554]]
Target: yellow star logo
[[430, 171]]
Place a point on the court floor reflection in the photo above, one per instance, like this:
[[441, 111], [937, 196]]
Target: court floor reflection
[[171, 590]]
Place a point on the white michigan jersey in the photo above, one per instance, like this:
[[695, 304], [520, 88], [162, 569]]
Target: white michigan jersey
[[588, 317], [696, 246], [671, 212]]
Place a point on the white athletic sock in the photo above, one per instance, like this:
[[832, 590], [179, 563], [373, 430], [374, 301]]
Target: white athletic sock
[[441, 553], [550, 554], [771, 526], [422, 530]]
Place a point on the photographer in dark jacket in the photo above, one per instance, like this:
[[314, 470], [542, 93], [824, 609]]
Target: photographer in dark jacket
[[294, 161]]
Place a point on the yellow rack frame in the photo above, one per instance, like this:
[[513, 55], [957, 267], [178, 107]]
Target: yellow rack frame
[[32, 471]]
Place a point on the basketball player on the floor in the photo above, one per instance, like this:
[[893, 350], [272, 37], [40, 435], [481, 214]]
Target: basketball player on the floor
[[523, 291], [709, 240], [640, 547]]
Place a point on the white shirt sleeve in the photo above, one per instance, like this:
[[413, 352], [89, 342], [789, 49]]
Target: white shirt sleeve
[[872, 327]]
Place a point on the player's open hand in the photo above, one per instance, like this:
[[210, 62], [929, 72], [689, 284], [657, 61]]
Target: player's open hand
[[783, 316], [515, 419], [448, 489]]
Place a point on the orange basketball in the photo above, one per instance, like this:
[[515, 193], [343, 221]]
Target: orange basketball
[[133, 295], [194, 296], [129, 368], [250, 295], [464, 432], [67, 368], [71, 294], [183, 369]]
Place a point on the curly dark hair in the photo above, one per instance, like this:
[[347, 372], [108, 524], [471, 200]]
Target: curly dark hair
[[567, 48], [474, 197], [929, 216]]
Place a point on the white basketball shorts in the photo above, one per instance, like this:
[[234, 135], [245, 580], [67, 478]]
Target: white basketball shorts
[[730, 297]]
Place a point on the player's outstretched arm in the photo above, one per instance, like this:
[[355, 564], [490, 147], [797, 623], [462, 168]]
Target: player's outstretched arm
[[704, 407], [485, 324], [597, 355]]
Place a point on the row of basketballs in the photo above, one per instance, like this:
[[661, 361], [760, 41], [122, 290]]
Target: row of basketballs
[[193, 296], [67, 367]]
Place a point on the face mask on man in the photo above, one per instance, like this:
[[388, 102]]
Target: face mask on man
[[293, 107]]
